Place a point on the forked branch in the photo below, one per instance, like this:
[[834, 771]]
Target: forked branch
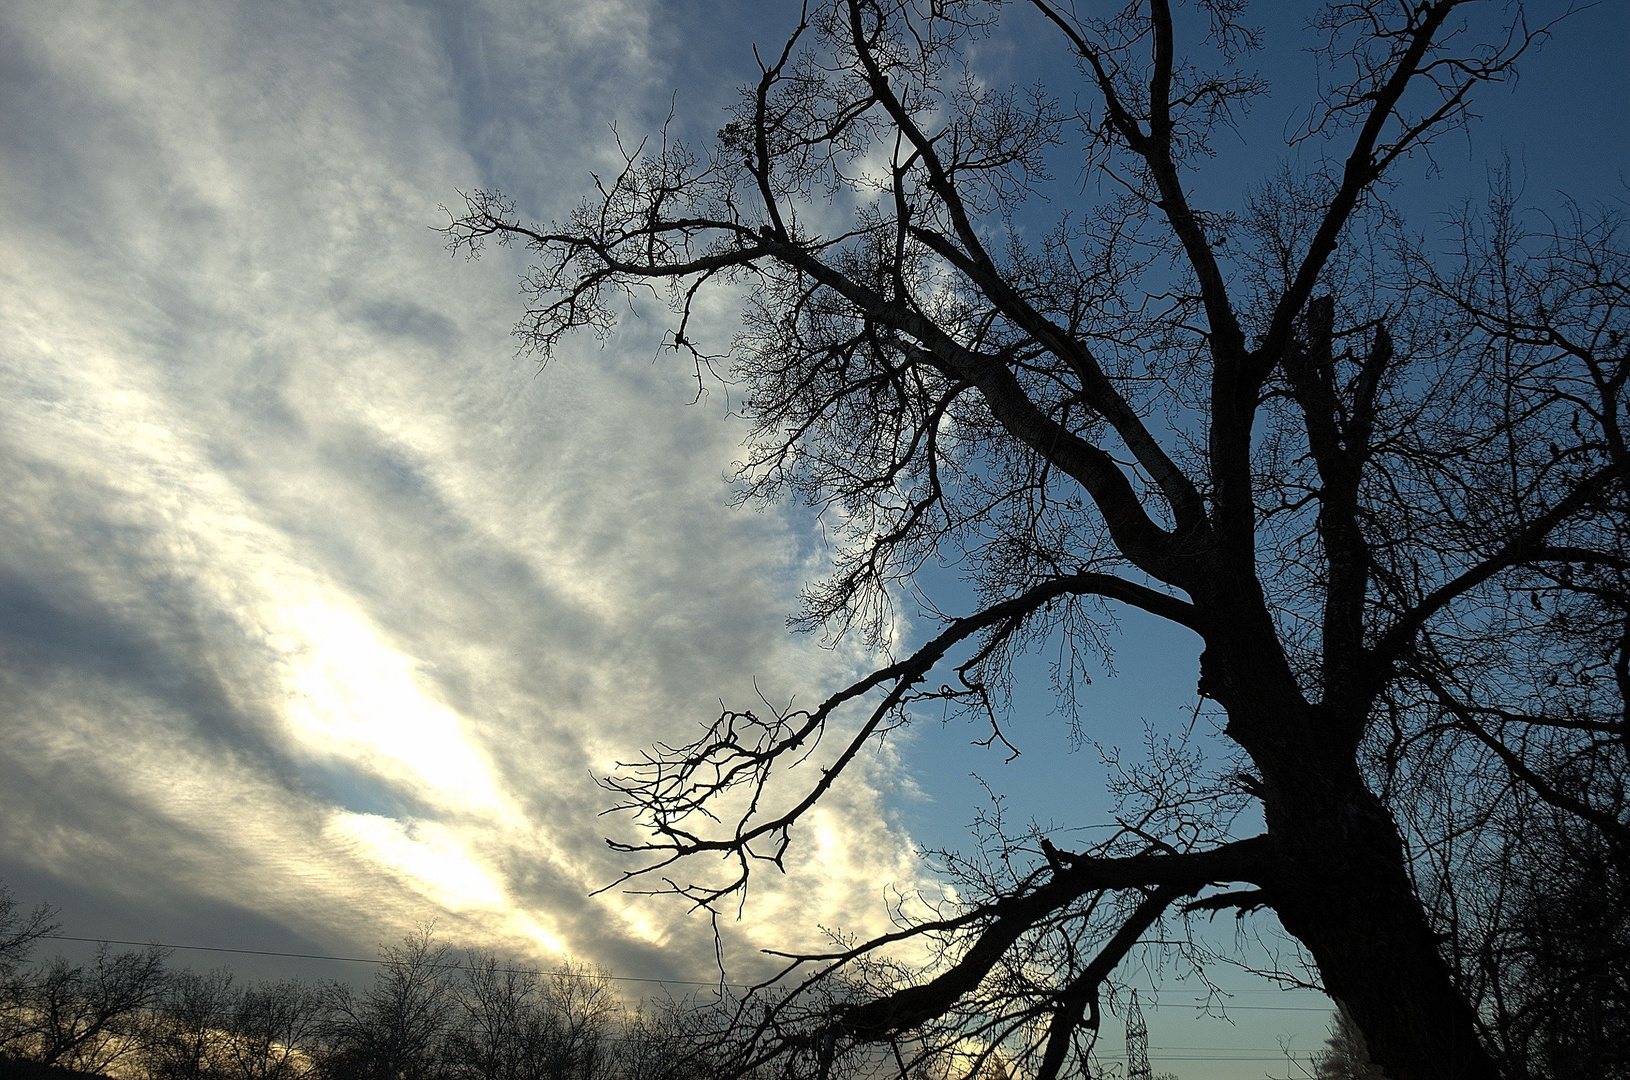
[[673, 791]]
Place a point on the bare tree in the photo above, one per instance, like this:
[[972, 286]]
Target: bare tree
[[516, 1024], [393, 1030], [1384, 485], [1548, 946], [580, 1011], [87, 1016], [669, 1038], [498, 1032], [18, 933], [274, 1032], [187, 1035]]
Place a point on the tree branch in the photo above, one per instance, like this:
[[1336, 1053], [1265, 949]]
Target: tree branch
[[668, 790], [1242, 860], [1515, 551]]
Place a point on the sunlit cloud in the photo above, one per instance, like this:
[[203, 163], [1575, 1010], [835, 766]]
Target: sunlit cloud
[[314, 599], [352, 698], [429, 857]]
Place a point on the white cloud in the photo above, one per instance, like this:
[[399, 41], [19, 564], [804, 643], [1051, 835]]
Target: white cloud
[[317, 599]]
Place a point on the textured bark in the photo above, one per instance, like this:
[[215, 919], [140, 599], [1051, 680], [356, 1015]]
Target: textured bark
[[1344, 892]]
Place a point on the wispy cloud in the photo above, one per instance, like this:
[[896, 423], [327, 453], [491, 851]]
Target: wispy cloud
[[313, 597]]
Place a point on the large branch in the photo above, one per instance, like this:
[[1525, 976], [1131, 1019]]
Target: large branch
[[1243, 860], [1339, 452], [1227, 339], [1081, 995], [1234, 396], [1233, 401], [974, 261], [1360, 171], [1188, 507], [1174, 559], [1155, 149]]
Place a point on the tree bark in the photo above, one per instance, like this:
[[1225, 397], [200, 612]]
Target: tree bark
[[1341, 884], [1344, 891]]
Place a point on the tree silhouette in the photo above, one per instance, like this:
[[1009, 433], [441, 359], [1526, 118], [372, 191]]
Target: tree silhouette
[[428, 1013], [1555, 955], [188, 1035], [86, 1016], [518, 1025], [1345, 1056], [1383, 482], [274, 1032], [19, 931], [392, 1030]]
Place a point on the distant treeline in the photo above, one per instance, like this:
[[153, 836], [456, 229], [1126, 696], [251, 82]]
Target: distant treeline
[[431, 1013]]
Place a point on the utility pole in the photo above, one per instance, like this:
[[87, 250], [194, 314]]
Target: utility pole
[[1137, 1043]]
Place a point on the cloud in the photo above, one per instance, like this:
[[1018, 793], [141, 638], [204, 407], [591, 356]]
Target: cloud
[[314, 599]]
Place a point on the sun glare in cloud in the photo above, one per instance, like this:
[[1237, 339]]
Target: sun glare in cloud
[[352, 697], [425, 853]]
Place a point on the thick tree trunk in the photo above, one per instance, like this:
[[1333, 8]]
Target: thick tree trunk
[[1342, 886], [1345, 893]]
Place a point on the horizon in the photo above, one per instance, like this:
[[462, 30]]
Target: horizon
[[322, 611]]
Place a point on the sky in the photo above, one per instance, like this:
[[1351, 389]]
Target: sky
[[321, 609]]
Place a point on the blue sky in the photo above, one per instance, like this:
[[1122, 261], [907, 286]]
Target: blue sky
[[320, 609]]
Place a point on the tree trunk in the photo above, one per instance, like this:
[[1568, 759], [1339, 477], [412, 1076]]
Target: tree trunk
[[1342, 886], [1344, 891]]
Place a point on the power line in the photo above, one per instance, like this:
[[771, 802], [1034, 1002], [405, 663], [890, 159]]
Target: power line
[[565, 974], [1247, 1008], [379, 960], [1224, 1049]]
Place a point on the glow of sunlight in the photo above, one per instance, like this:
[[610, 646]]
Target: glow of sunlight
[[350, 696], [428, 855], [525, 926]]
